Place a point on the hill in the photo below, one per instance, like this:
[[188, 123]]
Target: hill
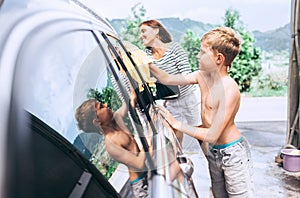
[[278, 39], [274, 40]]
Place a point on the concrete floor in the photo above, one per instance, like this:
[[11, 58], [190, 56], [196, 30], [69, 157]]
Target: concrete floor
[[266, 139]]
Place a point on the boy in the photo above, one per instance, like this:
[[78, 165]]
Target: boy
[[228, 155], [93, 116]]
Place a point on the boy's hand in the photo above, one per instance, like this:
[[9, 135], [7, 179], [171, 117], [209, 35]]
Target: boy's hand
[[133, 98], [168, 117]]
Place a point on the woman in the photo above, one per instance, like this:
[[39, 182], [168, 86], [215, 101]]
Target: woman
[[171, 57]]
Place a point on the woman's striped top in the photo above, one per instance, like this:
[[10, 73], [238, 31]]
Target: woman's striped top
[[174, 61]]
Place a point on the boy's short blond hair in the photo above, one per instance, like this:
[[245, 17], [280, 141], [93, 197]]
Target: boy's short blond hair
[[223, 40], [85, 114]]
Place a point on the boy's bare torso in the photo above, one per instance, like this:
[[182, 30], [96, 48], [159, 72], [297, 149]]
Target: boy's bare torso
[[213, 93], [125, 140]]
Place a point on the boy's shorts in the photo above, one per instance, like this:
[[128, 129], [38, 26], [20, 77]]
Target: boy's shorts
[[140, 186], [231, 170]]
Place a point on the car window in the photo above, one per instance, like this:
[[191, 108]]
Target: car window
[[57, 73]]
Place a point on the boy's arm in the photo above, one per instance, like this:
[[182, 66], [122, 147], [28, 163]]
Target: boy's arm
[[119, 117], [228, 103], [123, 110], [120, 154], [171, 79]]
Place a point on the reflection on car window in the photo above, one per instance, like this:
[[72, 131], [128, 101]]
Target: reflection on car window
[[57, 74]]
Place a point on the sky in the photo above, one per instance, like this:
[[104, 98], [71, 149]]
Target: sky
[[262, 15]]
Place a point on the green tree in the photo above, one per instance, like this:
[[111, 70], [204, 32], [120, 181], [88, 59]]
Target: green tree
[[191, 44], [248, 63], [108, 95], [94, 93], [131, 32]]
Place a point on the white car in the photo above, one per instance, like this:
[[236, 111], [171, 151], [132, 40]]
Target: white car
[[54, 55]]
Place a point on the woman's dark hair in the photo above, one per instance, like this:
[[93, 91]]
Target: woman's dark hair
[[163, 34]]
